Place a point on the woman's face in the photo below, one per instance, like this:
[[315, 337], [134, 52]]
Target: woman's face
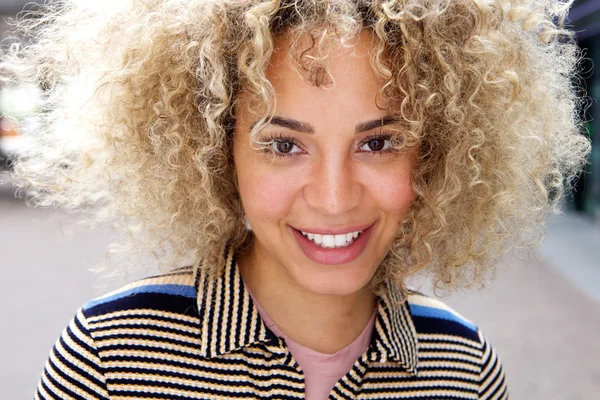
[[329, 175]]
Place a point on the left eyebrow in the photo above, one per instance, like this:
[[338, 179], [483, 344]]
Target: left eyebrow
[[305, 127], [376, 123]]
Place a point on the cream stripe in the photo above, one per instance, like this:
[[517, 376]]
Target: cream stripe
[[415, 385], [56, 392], [245, 305], [103, 320], [195, 383], [488, 358], [493, 378], [77, 363], [226, 327], [343, 390], [67, 370], [84, 337], [423, 394], [194, 394], [447, 364], [198, 369], [449, 348], [146, 329], [158, 345], [144, 333], [216, 309], [207, 305], [354, 375], [411, 334], [382, 351], [206, 363], [384, 328], [454, 356], [76, 347], [421, 337], [425, 374], [501, 389], [72, 388], [42, 391], [192, 372], [236, 323]]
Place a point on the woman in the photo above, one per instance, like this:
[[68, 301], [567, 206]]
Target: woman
[[304, 158]]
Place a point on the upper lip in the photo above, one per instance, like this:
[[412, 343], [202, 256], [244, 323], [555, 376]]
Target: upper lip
[[335, 231]]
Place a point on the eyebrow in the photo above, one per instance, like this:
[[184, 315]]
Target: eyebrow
[[305, 127]]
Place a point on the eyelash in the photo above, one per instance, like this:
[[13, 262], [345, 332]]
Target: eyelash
[[282, 137]]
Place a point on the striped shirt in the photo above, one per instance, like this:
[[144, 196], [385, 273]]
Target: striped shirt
[[186, 335]]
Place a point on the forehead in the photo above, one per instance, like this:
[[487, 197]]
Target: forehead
[[325, 87], [298, 63]]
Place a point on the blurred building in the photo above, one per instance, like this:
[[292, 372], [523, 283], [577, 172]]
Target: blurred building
[[584, 18]]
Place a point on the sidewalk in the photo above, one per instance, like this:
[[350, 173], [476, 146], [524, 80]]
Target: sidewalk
[[573, 249], [543, 315]]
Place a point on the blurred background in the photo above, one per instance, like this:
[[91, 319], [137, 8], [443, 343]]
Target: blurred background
[[542, 313]]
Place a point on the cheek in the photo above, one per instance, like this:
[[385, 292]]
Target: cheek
[[392, 189], [267, 195]]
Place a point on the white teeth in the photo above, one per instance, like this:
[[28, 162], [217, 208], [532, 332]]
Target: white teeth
[[340, 240], [328, 241], [332, 241], [318, 239]]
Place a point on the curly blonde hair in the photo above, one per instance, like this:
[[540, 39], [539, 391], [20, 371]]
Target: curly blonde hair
[[139, 102]]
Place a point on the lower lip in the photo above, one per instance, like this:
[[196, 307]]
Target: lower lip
[[335, 256]]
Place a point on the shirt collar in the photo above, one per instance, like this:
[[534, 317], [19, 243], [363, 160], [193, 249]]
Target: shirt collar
[[230, 320]]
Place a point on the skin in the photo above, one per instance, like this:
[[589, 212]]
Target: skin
[[332, 180]]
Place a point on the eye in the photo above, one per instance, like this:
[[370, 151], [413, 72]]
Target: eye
[[376, 144], [280, 145], [284, 146]]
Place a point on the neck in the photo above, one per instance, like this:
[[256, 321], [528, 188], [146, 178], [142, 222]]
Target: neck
[[324, 323]]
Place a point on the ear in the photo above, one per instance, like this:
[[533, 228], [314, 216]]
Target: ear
[[246, 223], [234, 176]]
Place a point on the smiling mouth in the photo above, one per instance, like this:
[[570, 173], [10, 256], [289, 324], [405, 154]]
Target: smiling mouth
[[332, 241]]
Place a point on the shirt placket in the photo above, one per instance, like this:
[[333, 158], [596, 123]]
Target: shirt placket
[[292, 387], [348, 387]]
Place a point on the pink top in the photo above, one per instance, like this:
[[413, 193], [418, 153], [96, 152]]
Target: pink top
[[321, 371]]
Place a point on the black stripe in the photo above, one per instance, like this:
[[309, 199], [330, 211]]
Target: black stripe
[[426, 380], [500, 387], [69, 377], [156, 301], [247, 319], [153, 321], [446, 341], [426, 325]]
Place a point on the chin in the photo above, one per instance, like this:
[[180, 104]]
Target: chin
[[335, 281]]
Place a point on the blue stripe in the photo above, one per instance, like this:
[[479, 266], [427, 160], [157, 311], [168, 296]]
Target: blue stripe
[[432, 312], [177, 290]]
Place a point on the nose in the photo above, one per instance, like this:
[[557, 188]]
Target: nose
[[333, 188]]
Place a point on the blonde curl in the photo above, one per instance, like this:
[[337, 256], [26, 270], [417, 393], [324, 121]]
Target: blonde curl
[[139, 107]]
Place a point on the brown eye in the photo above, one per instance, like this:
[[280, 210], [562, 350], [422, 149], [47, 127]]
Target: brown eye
[[376, 144], [284, 146]]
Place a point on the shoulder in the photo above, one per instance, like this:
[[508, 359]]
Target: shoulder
[[433, 317], [170, 293], [444, 334]]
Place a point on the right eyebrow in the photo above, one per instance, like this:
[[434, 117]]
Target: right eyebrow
[[305, 127], [290, 123]]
